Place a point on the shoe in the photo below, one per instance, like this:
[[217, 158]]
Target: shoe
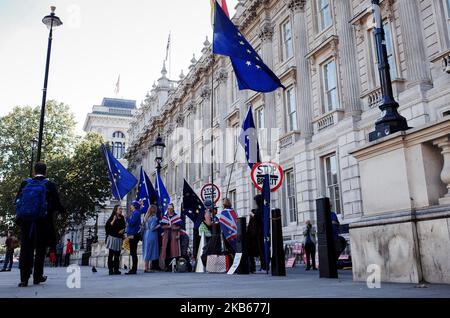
[[314, 269], [8, 270], [3, 270], [307, 269], [131, 273], [43, 279], [23, 284], [117, 273], [111, 273]]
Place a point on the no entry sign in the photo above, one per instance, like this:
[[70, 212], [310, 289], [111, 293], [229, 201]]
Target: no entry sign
[[274, 171], [210, 191]]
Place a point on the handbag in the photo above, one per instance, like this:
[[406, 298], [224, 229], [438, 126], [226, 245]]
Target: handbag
[[217, 264]]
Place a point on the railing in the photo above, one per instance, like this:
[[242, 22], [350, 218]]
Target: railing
[[325, 122], [374, 98]]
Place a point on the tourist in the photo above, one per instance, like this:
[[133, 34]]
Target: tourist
[[309, 243], [115, 229], [37, 230], [11, 244], [150, 246]]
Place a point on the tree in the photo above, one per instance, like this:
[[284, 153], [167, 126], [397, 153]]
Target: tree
[[75, 165]]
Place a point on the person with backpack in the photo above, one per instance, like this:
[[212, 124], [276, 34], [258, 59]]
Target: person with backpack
[[69, 251], [309, 244], [36, 205]]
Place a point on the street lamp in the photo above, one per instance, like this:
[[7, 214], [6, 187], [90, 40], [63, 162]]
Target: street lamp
[[33, 144], [159, 146], [50, 21], [391, 121]]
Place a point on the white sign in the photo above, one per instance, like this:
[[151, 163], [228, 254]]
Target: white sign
[[210, 191], [274, 171], [237, 261]]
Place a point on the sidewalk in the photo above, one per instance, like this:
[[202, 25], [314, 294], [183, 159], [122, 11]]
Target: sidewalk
[[297, 284]]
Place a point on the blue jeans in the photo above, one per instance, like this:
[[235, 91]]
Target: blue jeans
[[8, 259]]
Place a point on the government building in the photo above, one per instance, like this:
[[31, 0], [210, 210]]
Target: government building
[[389, 195]]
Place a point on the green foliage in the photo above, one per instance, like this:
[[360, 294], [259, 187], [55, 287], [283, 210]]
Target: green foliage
[[75, 165]]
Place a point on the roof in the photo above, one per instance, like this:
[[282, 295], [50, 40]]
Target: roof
[[119, 103]]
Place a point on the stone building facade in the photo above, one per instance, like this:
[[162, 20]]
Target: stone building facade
[[111, 119], [323, 52]]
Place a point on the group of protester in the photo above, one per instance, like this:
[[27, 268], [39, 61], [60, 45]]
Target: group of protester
[[164, 238]]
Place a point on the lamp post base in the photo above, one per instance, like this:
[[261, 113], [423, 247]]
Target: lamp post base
[[389, 124]]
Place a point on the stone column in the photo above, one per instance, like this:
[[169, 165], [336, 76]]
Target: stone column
[[350, 94], [266, 35], [416, 60], [300, 32], [444, 144]]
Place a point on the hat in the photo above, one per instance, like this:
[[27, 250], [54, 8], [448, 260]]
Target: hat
[[136, 205]]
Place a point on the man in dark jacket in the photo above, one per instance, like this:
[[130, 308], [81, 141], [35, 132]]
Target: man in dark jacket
[[37, 236], [11, 245], [256, 232]]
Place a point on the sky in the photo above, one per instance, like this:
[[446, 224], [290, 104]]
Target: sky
[[99, 40]]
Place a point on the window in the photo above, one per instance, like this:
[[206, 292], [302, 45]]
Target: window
[[290, 195], [216, 101], [331, 182], [119, 134], [324, 9], [118, 149], [330, 86], [234, 88], [390, 53], [260, 118], [286, 36], [232, 197], [291, 109]]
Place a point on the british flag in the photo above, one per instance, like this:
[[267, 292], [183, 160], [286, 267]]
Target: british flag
[[228, 219], [175, 219]]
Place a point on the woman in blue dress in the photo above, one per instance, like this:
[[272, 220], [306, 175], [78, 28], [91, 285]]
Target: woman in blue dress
[[150, 247]]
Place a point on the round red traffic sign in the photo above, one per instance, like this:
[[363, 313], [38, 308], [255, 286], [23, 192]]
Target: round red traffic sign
[[210, 191], [274, 171]]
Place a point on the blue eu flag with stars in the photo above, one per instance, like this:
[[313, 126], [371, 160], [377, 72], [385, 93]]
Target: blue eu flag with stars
[[163, 196], [249, 139], [146, 191], [193, 207], [251, 72], [122, 181], [266, 219]]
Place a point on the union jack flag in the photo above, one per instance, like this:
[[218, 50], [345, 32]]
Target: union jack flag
[[228, 219], [175, 219]]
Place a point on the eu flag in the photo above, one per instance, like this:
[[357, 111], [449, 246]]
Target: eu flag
[[163, 196], [146, 191], [122, 181], [251, 72], [266, 219], [193, 207], [249, 139]]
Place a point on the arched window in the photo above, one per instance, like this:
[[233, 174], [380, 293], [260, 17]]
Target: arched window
[[119, 134], [118, 149]]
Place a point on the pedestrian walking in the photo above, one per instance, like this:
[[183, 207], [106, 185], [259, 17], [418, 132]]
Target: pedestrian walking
[[309, 243], [11, 244], [115, 230], [36, 205], [69, 252], [150, 245]]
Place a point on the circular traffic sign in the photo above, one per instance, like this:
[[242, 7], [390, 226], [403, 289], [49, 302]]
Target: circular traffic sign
[[210, 191], [274, 171]]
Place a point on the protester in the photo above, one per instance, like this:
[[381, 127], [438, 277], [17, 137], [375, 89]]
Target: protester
[[171, 224], [115, 229], [211, 221], [228, 222], [309, 243], [69, 252], [150, 246], [184, 244], [36, 233], [339, 242], [11, 244], [133, 227], [59, 253]]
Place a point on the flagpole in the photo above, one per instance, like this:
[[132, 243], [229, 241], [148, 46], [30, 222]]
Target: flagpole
[[212, 113], [232, 170]]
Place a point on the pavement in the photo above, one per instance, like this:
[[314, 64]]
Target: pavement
[[297, 284]]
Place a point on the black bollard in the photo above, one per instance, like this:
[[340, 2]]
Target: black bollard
[[327, 254], [278, 259], [241, 246]]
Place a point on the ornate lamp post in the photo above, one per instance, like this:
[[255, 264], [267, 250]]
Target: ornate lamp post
[[159, 146], [391, 121], [33, 145], [50, 21]]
